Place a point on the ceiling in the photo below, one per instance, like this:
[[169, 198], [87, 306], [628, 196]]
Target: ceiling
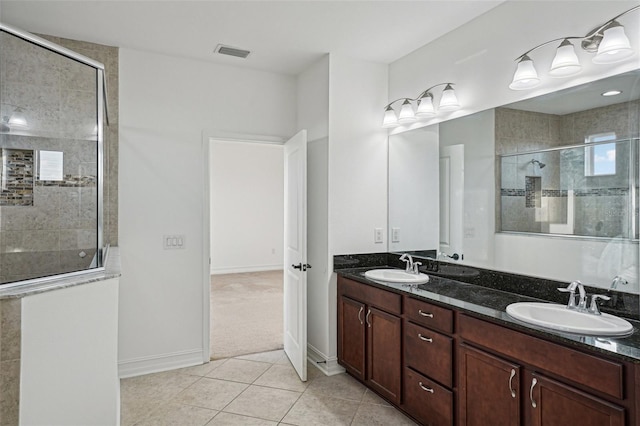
[[283, 36]]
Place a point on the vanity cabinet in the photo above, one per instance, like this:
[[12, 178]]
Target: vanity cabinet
[[445, 367], [496, 390], [370, 336]]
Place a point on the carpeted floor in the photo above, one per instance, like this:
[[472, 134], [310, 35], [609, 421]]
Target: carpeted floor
[[246, 313]]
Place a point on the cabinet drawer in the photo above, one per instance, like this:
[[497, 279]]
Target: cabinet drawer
[[588, 370], [429, 353], [427, 401], [429, 315], [382, 299]]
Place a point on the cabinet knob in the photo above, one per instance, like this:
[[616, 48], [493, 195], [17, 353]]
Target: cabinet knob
[[425, 388], [367, 318], [360, 315], [425, 314]]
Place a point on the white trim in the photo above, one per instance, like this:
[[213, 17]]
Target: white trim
[[206, 255], [241, 269], [217, 135], [157, 363], [328, 365]]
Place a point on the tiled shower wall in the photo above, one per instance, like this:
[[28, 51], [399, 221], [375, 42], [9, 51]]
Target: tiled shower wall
[[599, 212], [49, 234]]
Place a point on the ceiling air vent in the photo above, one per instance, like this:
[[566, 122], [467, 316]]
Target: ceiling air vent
[[232, 51]]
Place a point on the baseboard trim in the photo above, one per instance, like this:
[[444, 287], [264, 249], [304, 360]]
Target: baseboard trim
[[241, 269], [328, 365], [157, 363]]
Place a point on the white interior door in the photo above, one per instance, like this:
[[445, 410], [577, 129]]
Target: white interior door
[[295, 252], [451, 199]]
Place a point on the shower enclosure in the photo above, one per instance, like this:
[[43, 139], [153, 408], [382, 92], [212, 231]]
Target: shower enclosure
[[588, 190], [52, 108]]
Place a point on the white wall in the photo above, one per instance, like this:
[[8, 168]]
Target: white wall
[[69, 359], [165, 103], [357, 167], [414, 190], [247, 207], [313, 100], [477, 133], [357, 155]]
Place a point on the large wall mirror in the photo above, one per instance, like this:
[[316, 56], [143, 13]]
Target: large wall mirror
[[544, 187]]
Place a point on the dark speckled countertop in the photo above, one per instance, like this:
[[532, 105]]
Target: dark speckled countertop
[[492, 303]]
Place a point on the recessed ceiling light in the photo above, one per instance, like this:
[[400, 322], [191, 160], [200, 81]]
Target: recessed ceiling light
[[612, 92]]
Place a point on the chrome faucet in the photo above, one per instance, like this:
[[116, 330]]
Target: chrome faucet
[[582, 304], [412, 267], [406, 257], [617, 280]]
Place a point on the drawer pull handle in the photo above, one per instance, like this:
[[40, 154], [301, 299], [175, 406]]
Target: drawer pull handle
[[367, 318], [425, 314], [533, 385], [426, 339], [425, 388], [360, 315], [513, 374]]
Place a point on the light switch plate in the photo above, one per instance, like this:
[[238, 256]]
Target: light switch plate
[[395, 235], [173, 242], [378, 236]]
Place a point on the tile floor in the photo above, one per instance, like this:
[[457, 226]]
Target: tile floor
[[259, 389]]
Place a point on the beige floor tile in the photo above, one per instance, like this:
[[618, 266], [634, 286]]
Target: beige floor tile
[[239, 370], [271, 356], [228, 419], [379, 415], [282, 377], [210, 393], [338, 386], [133, 411], [264, 403], [370, 397], [178, 415], [321, 410], [202, 370]]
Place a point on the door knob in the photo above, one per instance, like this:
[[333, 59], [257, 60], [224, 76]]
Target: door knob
[[302, 267]]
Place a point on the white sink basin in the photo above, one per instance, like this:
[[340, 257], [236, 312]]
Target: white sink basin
[[396, 276], [558, 317]]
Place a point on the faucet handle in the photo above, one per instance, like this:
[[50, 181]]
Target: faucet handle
[[593, 308], [415, 267], [571, 288]]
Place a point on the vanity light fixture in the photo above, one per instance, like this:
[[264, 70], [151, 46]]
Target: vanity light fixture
[[422, 106], [17, 119], [608, 42]]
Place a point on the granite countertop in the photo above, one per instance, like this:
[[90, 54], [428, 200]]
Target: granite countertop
[[111, 270], [491, 303]]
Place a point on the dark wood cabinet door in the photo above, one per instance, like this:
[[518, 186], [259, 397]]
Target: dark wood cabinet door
[[489, 389], [427, 401], [384, 365], [351, 336], [552, 403]]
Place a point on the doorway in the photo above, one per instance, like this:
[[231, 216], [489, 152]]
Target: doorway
[[247, 241]]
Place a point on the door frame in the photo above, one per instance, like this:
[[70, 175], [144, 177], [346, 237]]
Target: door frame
[[208, 138]]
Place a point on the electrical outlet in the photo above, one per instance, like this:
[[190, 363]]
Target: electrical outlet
[[395, 235], [377, 235]]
